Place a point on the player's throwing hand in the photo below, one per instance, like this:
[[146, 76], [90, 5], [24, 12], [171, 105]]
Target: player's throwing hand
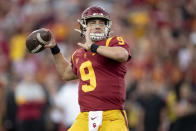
[[52, 42]]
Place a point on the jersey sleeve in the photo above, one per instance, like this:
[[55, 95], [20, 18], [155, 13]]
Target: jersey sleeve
[[119, 41], [73, 63]]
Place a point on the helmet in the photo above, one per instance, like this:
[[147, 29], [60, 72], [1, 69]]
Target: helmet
[[95, 12]]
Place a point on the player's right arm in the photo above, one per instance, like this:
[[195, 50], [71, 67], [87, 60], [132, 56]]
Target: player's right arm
[[63, 66]]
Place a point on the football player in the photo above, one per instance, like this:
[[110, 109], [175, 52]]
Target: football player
[[100, 65]]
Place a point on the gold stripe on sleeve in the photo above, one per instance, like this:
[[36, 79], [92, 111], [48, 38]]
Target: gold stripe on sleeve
[[108, 41], [73, 56]]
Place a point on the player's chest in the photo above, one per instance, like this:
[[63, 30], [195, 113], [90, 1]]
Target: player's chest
[[87, 57]]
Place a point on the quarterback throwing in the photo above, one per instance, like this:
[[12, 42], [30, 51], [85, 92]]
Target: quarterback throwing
[[100, 65]]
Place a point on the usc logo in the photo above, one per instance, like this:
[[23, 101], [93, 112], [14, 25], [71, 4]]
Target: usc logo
[[94, 125]]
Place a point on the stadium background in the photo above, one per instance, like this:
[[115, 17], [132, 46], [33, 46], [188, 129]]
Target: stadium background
[[161, 77]]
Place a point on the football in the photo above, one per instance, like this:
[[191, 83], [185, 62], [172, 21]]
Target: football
[[37, 39]]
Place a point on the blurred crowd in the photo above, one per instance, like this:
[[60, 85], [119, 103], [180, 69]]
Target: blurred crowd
[[161, 77]]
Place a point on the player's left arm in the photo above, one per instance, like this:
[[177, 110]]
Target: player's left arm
[[116, 53], [116, 48]]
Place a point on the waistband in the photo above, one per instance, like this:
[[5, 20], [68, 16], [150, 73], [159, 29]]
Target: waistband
[[107, 115]]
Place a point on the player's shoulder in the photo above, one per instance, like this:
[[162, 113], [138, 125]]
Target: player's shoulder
[[114, 39], [77, 52], [117, 38]]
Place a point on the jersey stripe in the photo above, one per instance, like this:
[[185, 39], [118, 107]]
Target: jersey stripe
[[73, 56], [108, 41]]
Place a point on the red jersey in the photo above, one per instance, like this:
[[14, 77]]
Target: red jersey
[[102, 84]]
